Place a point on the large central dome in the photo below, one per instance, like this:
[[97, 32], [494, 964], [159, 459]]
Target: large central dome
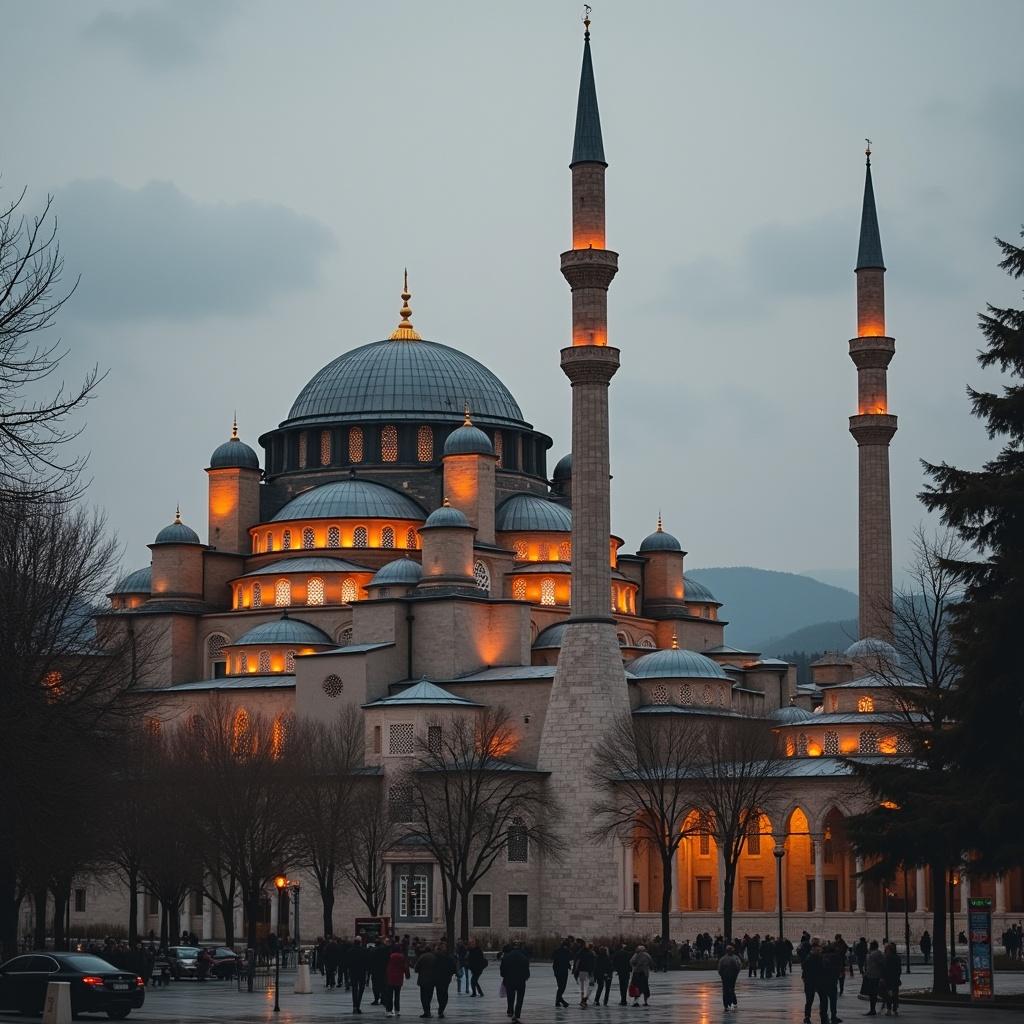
[[405, 380]]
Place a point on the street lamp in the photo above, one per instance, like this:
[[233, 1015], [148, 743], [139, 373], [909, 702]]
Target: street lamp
[[780, 852], [296, 889], [954, 881], [886, 893], [280, 883]]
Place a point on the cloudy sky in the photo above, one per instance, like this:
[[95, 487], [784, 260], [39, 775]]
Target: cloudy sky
[[239, 185]]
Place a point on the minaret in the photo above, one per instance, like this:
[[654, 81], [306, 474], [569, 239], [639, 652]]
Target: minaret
[[582, 895], [873, 428]]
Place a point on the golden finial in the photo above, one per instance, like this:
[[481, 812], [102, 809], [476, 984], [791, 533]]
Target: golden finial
[[177, 513], [586, 20], [405, 330], [660, 527], [867, 151], [675, 641], [467, 422], [447, 503], [234, 426]]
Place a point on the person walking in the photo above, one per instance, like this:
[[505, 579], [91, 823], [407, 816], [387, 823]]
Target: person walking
[[515, 972], [462, 974], [861, 950], [394, 977], [833, 968], [603, 974], [445, 968], [753, 954], [729, 968], [477, 964], [810, 971], [332, 956], [874, 963], [891, 978], [620, 965], [641, 964], [425, 979], [379, 954], [358, 958], [561, 964], [584, 971], [926, 946], [843, 950]]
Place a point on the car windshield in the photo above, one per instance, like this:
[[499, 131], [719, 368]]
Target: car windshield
[[223, 952], [88, 964], [186, 952]]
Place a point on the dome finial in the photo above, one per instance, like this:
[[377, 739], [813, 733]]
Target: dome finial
[[661, 528], [867, 151], [467, 422], [675, 640], [405, 330], [586, 21], [234, 425], [177, 513], [447, 503]]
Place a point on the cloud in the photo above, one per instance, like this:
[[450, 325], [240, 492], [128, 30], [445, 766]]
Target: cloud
[[165, 35], [156, 253]]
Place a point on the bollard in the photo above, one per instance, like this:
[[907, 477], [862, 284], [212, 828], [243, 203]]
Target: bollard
[[303, 985], [57, 1008]]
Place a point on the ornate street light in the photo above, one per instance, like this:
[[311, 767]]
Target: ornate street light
[[954, 881], [280, 883], [779, 852]]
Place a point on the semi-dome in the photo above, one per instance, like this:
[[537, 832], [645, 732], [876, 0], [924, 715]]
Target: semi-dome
[[284, 630], [138, 582], [446, 515], [234, 454], [550, 637], [659, 541], [675, 664], [405, 380], [177, 533], [402, 572], [563, 469], [791, 715], [306, 563], [468, 440], [530, 512], [697, 592], [871, 650], [350, 499]]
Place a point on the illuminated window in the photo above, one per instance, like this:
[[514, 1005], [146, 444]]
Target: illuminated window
[[868, 742], [499, 448], [348, 590], [269, 546], [286, 540], [263, 662], [282, 593], [153, 726], [660, 695], [401, 739], [547, 591], [410, 539], [704, 846], [359, 539], [801, 744], [389, 444], [544, 553], [686, 694], [302, 450], [289, 661], [790, 747], [215, 654], [518, 842], [706, 695], [387, 537], [482, 575], [831, 743], [754, 839], [520, 551], [243, 662], [565, 551], [308, 538], [425, 444], [257, 595], [519, 589], [278, 734], [333, 686], [239, 731], [315, 591], [333, 537], [355, 444], [325, 447], [833, 702], [865, 704]]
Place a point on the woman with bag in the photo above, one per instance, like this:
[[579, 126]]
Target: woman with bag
[[396, 973], [641, 965]]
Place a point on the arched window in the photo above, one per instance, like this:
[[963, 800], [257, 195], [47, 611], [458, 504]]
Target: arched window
[[355, 444], [521, 551], [410, 539], [706, 695], [263, 662], [801, 744], [308, 538], [240, 731], [302, 450], [424, 444], [282, 593], [345, 635], [333, 686], [519, 589], [865, 704], [286, 540], [387, 537], [348, 590], [482, 575], [565, 551], [831, 743], [547, 591], [315, 590], [518, 842], [499, 448], [622, 639], [289, 661], [686, 694], [278, 735], [389, 444], [660, 694], [646, 642], [868, 742], [257, 595], [243, 663], [325, 447], [269, 546], [333, 537], [215, 653], [544, 553], [359, 537]]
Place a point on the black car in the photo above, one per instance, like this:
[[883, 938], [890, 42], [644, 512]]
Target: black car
[[96, 986]]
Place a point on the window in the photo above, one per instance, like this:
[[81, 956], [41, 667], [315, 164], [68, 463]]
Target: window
[[302, 450], [521, 551], [801, 744], [79, 901], [197, 903], [289, 661], [481, 910], [269, 546], [434, 739], [622, 639], [706, 695], [355, 444], [868, 742], [278, 734], [754, 839], [755, 894], [387, 537], [547, 591], [263, 662], [401, 739], [833, 702], [660, 694], [243, 662], [315, 590], [308, 538], [903, 744], [325, 447], [410, 539], [499, 448], [257, 595], [518, 842], [345, 635], [831, 743], [400, 803], [282, 593], [544, 553], [389, 444], [215, 650], [704, 894], [359, 539], [704, 845], [413, 893], [239, 731], [865, 704], [519, 589], [333, 537], [152, 905], [686, 694], [376, 739], [333, 686], [565, 551], [482, 575], [286, 540], [646, 642], [424, 444], [518, 906], [348, 590]]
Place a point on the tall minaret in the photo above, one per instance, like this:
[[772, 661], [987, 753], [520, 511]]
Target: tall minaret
[[589, 688], [873, 428]]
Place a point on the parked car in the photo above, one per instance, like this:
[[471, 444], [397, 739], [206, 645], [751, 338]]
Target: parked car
[[96, 986], [183, 961], [226, 962]]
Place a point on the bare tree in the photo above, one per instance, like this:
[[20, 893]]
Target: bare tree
[[34, 430], [468, 802], [372, 833], [642, 796]]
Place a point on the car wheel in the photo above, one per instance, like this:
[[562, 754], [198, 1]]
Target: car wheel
[[119, 1012]]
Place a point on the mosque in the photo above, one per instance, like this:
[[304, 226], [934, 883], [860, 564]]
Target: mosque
[[401, 543]]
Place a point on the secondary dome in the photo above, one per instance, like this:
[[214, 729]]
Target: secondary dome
[[563, 469], [550, 637], [871, 650], [350, 499], [138, 582], [177, 533], [284, 630], [660, 541], [234, 453], [529, 512], [468, 440], [675, 664], [405, 572], [446, 515], [791, 715], [697, 592]]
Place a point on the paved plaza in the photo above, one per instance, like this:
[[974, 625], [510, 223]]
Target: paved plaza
[[677, 998]]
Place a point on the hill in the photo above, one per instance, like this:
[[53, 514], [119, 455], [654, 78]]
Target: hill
[[816, 639], [762, 606]]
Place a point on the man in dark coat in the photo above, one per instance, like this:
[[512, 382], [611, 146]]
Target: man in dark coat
[[332, 958], [378, 969], [445, 968], [561, 962], [515, 972], [358, 963], [425, 978], [620, 965]]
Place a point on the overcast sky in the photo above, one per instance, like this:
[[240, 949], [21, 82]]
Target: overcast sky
[[240, 184]]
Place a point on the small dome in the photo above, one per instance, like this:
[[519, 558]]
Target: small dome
[[697, 592], [402, 572], [350, 499], [177, 533], [550, 637], [446, 515], [138, 582], [234, 454], [791, 715], [563, 469], [871, 651], [675, 664], [285, 630], [660, 541], [468, 440], [526, 512]]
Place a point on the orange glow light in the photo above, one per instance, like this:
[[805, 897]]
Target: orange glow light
[[887, 745], [280, 881], [813, 750]]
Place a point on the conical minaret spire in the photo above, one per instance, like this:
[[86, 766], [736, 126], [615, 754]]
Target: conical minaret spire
[[873, 427]]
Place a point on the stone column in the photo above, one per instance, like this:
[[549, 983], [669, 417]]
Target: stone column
[[207, 919], [140, 914], [239, 920], [1000, 907], [921, 891], [627, 878], [819, 876], [858, 866]]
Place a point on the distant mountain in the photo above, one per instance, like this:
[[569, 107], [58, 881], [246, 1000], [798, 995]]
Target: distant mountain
[[816, 639], [845, 578], [762, 606]]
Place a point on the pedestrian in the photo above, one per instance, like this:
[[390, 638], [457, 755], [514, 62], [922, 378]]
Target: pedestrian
[[332, 957], [462, 974], [834, 967], [425, 978], [358, 965], [891, 971], [810, 971], [640, 964], [603, 975], [584, 971], [396, 973], [379, 955], [561, 964], [861, 949], [753, 954], [620, 964], [843, 950], [729, 968], [515, 972], [926, 945], [477, 964], [445, 968], [873, 965]]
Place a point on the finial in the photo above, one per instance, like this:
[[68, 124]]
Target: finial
[[177, 513], [675, 640], [586, 20], [867, 151], [234, 426], [405, 330], [467, 422], [447, 503], [660, 527]]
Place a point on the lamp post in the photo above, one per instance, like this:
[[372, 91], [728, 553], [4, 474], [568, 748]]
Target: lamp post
[[296, 890], [780, 852], [280, 883], [906, 916], [885, 903], [954, 881]]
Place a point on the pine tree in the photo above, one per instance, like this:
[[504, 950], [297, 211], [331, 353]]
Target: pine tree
[[986, 508]]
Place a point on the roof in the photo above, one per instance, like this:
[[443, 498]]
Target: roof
[[138, 582], [563, 468], [697, 592], [528, 512], [234, 454], [402, 571], [503, 673], [869, 252], [307, 563], [676, 663], [707, 711], [350, 499], [792, 715], [726, 649], [872, 649], [587, 146], [889, 718], [423, 693], [177, 533], [281, 682], [446, 516], [405, 381], [873, 682], [660, 541], [284, 630], [468, 440]]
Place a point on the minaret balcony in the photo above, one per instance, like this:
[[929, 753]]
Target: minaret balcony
[[589, 268], [872, 353], [873, 428]]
